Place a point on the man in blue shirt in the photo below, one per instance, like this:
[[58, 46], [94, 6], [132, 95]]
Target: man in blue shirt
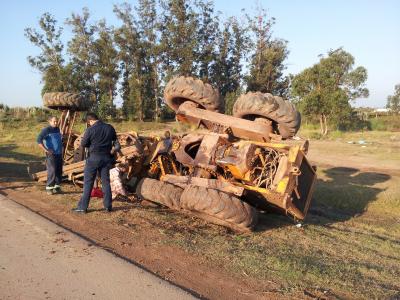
[[99, 139], [50, 141]]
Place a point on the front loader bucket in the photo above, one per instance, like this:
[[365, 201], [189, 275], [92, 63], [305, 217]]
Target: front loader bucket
[[305, 187]]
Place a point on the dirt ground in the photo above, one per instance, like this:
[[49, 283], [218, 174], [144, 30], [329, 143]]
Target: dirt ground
[[348, 248]]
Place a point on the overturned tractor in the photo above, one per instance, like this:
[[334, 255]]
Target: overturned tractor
[[244, 164], [239, 166]]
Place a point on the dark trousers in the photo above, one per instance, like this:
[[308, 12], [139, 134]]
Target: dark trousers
[[96, 164], [54, 170]]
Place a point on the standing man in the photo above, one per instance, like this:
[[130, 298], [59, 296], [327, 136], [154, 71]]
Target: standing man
[[50, 141], [99, 138]]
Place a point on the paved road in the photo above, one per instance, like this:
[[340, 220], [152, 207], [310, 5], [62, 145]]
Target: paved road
[[40, 260]]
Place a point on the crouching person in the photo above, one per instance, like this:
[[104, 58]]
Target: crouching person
[[50, 141], [117, 187]]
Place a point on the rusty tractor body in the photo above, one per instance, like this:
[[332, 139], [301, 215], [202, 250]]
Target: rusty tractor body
[[242, 165]]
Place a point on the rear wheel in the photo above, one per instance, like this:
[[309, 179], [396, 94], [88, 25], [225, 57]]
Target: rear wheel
[[182, 89], [62, 100], [219, 207], [285, 118], [160, 192]]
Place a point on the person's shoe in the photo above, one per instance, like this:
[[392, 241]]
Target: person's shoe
[[109, 209], [49, 192], [57, 190], [79, 210]]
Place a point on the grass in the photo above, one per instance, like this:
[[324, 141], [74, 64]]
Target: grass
[[348, 248]]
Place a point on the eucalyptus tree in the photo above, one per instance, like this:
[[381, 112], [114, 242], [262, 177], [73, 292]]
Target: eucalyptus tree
[[132, 57], [147, 25], [178, 38], [50, 62], [393, 101], [208, 32], [267, 61], [325, 90], [82, 52], [106, 62]]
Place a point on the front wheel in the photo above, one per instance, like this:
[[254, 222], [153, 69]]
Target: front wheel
[[219, 208], [160, 192]]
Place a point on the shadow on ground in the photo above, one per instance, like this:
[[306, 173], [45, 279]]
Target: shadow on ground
[[15, 171], [8, 151], [344, 193], [10, 171]]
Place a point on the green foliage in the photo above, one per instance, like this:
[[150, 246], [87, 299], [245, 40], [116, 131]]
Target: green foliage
[[155, 41], [266, 68], [230, 100], [106, 62], [385, 123], [82, 51], [50, 62], [393, 102], [10, 116], [178, 37], [207, 36], [325, 90], [158, 40], [105, 108], [232, 47]]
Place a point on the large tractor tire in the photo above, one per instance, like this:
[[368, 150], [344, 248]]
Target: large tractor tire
[[182, 89], [160, 192], [220, 208], [285, 118], [63, 100]]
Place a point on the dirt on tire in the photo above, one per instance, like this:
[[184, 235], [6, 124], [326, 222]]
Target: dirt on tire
[[63, 100], [160, 192], [286, 119], [181, 89], [219, 207]]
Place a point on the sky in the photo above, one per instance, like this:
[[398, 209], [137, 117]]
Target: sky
[[369, 30]]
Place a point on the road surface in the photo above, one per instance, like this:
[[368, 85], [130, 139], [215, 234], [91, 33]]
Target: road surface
[[40, 260]]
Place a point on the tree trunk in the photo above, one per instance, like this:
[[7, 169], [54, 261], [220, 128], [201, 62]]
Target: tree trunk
[[140, 101], [111, 96], [156, 94], [326, 125], [321, 124]]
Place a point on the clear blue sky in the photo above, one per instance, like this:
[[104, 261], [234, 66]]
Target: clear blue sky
[[369, 30]]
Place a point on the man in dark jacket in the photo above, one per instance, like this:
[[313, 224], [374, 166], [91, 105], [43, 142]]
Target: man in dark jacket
[[50, 141], [99, 138]]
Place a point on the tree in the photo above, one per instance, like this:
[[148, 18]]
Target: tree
[[132, 58], [50, 62], [147, 27], [393, 102], [178, 39], [267, 62], [106, 66], [207, 35], [232, 48], [221, 71], [81, 50], [239, 50], [325, 90]]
